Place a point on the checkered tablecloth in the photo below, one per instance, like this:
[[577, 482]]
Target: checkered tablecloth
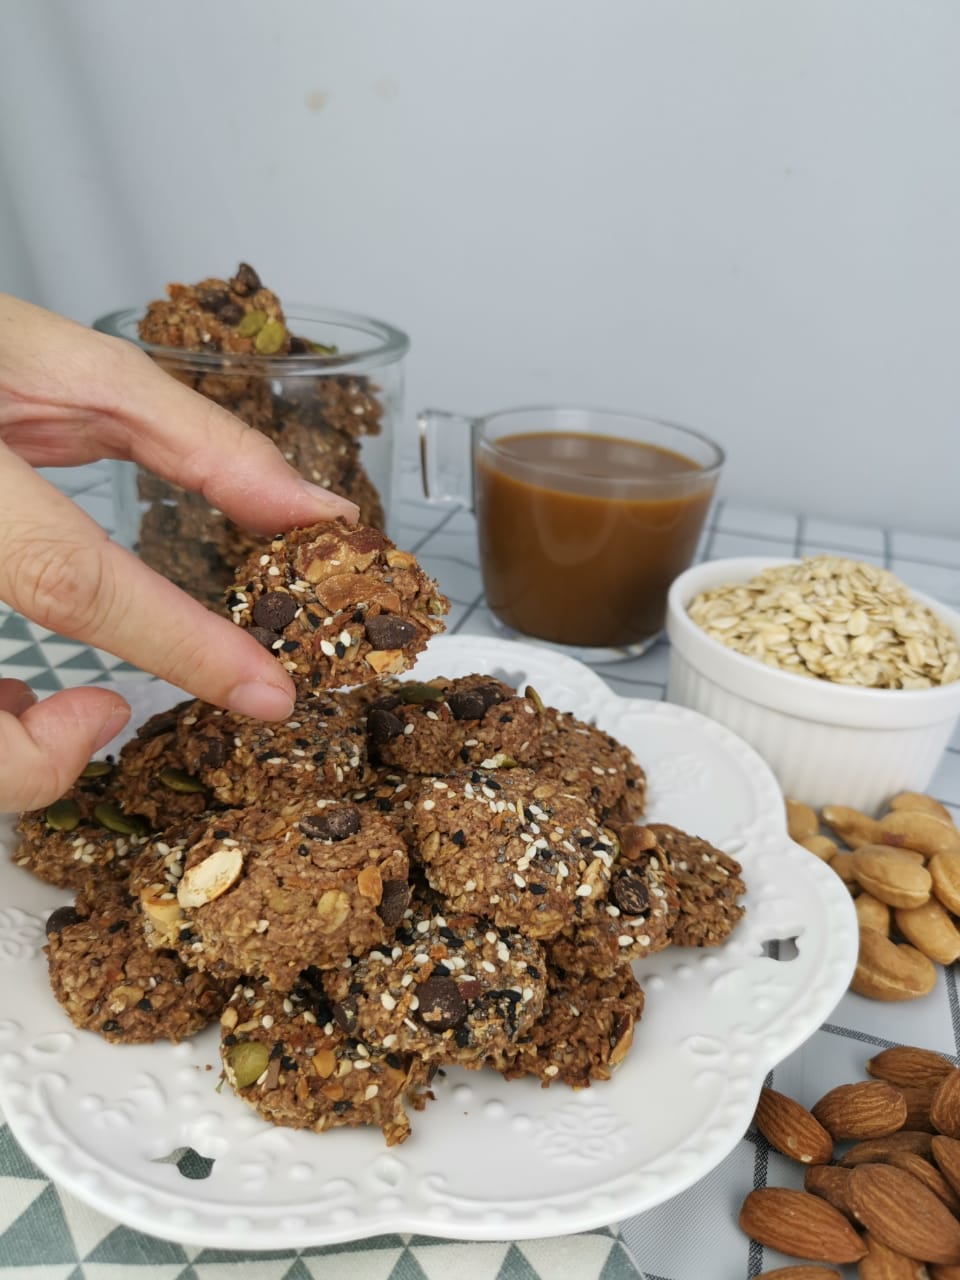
[[46, 1234]]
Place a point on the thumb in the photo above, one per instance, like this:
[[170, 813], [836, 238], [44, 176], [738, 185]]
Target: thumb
[[43, 750]]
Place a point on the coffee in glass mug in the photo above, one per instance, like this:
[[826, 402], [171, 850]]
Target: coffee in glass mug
[[584, 518]]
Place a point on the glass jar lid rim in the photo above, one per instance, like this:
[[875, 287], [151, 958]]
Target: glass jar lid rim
[[387, 343]]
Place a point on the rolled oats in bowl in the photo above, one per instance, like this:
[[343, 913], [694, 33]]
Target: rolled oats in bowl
[[832, 619]]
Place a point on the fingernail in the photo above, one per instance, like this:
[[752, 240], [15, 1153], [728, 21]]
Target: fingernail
[[260, 701], [111, 727], [334, 503], [22, 701]]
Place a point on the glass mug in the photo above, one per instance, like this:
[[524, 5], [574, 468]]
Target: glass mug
[[584, 517]]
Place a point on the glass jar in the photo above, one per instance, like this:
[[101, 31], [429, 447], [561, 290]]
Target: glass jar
[[333, 411]]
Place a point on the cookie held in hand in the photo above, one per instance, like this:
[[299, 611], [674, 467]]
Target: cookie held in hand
[[337, 605]]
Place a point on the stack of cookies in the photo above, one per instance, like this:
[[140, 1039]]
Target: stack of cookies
[[317, 420], [400, 877]]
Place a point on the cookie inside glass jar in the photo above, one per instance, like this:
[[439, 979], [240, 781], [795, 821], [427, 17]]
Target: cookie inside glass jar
[[325, 386]]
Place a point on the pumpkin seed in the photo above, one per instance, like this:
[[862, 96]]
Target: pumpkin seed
[[270, 338], [177, 780], [63, 815], [247, 1061], [251, 324]]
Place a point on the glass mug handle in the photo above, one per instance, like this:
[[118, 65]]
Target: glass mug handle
[[447, 443]]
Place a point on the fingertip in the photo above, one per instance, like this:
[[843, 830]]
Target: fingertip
[[260, 701], [331, 506]]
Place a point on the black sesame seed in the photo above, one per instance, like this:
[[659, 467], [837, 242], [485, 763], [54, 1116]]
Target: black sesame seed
[[221, 833], [440, 970], [229, 1039], [462, 1036], [111, 1024], [458, 838], [537, 888], [393, 1061], [117, 926], [464, 754], [288, 1064], [342, 1107], [144, 1005], [532, 970], [290, 646], [303, 851], [312, 619]]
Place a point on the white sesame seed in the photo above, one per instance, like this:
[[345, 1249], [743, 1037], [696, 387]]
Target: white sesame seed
[[387, 1000]]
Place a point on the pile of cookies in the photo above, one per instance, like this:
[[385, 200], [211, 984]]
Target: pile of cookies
[[317, 420], [402, 876]]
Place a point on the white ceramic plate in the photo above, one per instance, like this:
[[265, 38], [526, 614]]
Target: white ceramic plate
[[488, 1159]]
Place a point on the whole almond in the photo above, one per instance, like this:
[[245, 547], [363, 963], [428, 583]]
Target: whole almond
[[922, 832], [946, 1153], [800, 1225], [945, 1107], [927, 1173], [800, 1273], [945, 873], [850, 825], [882, 1263], [891, 875], [930, 929], [905, 1064], [865, 1109], [876, 1150], [888, 971], [791, 1128], [872, 913], [914, 801], [802, 821], [903, 1214], [829, 1182]]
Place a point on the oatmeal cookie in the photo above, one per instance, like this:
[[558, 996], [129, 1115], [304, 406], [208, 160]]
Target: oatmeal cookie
[[511, 847], [450, 989], [269, 893], [338, 605], [584, 1032], [708, 886], [238, 316], [84, 831], [634, 920], [109, 981], [446, 724], [592, 763], [151, 777], [285, 1056], [320, 751]]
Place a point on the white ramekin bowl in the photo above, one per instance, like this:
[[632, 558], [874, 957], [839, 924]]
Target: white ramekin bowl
[[827, 743]]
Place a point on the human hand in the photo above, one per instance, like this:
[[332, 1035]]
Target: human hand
[[69, 396]]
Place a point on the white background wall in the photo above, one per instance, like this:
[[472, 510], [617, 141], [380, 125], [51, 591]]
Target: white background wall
[[740, 214]]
